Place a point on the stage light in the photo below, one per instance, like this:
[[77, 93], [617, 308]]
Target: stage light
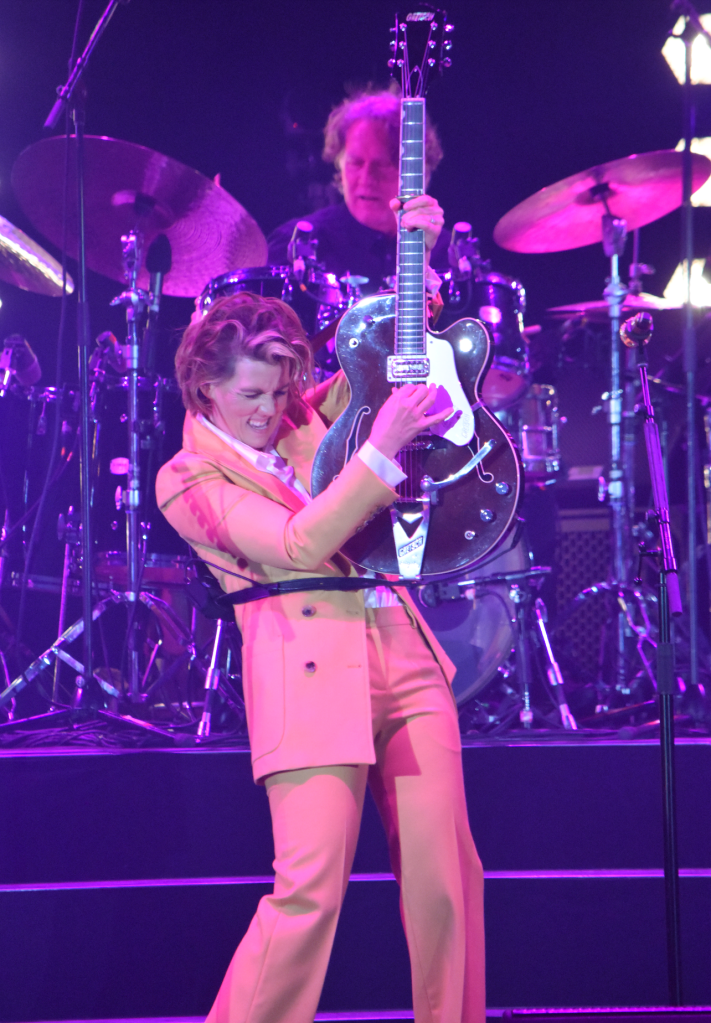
[[675, 291], [673, 53], [702, 196]]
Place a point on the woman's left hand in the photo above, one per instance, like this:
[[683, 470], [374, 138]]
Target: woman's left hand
[[424, 213]]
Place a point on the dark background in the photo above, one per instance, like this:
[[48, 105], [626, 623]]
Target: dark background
[[538, 90]]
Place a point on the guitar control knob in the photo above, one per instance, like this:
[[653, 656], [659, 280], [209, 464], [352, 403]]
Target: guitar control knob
[[469, 534], [503, 489], [354, 342], [487, 515]]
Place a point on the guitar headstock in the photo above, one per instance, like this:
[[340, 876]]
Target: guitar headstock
[[421, 42]]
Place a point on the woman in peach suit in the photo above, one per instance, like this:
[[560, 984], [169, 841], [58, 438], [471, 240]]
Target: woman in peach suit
[[341, 688]]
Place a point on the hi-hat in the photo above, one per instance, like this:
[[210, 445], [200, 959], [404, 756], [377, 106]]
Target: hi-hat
[[568, 214], [129, 186], [599, 310], [26, 264]]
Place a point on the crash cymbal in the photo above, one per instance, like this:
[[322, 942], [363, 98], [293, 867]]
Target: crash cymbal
[[599, 310], [128, 186], [568, 215], [27, 265]]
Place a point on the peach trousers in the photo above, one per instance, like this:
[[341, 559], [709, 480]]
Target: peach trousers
[[277, 972]]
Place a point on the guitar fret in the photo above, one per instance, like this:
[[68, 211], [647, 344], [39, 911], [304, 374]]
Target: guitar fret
[[410, 300]]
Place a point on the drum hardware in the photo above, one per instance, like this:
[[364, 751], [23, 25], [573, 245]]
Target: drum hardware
[[525, 615], [68, 530], [18, 362], [204, 592], [464, 259], [301, 250], [599, 205], [533, 422]]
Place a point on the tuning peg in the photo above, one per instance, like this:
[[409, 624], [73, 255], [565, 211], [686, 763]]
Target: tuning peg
[[431, 61], [391, 63], [447, 28], [448, 44], [447, 62], [393, 44]]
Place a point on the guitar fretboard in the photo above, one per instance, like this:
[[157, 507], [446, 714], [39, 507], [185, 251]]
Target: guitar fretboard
[[410, 311]]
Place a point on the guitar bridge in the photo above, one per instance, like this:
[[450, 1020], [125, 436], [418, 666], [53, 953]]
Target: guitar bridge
[[407, 367]]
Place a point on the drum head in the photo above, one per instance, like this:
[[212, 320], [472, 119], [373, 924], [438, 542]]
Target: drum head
[[479, 635]]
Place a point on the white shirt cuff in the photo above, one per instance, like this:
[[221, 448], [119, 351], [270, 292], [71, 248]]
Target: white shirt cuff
[[433, 281], [384, 468]]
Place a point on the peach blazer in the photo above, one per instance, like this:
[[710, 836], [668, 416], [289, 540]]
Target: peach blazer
[[305, 673]]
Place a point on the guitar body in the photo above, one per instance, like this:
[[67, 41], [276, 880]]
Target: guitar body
[[469, 518]]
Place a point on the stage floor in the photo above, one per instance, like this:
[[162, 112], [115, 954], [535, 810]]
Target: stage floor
[[128, 877]]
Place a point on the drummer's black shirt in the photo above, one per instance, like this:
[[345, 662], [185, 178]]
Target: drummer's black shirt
[[346, 246]]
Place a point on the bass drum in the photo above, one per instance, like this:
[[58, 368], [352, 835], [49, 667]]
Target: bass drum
[[479, 634]]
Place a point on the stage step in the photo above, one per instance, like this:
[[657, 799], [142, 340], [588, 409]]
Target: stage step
[[127, 879]]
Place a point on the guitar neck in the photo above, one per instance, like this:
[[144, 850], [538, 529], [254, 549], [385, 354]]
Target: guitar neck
[[410, 316]]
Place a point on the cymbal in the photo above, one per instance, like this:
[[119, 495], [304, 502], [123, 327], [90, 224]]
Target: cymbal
[[129, 186], [26, 264], [568, 214], [599, 309]]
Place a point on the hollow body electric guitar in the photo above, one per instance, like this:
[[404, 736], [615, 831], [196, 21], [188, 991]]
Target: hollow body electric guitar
[[464, 479]]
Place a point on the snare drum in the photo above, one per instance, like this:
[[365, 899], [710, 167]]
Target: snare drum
[[317, 300]]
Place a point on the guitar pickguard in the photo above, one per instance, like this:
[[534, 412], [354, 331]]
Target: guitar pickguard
[[459, 428]]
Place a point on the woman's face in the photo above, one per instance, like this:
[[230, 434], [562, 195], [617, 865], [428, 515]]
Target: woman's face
[[249, 404]]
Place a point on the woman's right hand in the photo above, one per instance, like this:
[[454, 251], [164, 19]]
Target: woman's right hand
[[403, 416]]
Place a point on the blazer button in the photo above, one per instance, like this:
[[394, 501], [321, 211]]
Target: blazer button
[[309, 611], [310, 667]]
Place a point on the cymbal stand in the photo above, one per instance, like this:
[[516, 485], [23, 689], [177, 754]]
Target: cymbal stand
[[134, 300], [614, 236], [69, 98]]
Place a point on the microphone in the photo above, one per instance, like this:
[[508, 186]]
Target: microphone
[[159, 260], [637, 330], [18, 360], [302, 248]]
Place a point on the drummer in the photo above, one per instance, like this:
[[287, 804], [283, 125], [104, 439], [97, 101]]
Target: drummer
[[358, 236]]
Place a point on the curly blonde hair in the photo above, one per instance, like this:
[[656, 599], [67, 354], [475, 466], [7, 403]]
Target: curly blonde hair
[[241, 326], [376, 105]]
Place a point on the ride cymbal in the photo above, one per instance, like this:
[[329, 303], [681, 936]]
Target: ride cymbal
[[129, 186], [25, 264], [568, 214]]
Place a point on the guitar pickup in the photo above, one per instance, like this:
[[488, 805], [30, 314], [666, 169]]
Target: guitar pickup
[[407, 367]]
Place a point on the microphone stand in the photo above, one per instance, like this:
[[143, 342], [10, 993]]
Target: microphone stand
[[693, 28], [635, 333], [69, 98]]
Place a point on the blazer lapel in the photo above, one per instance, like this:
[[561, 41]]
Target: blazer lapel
[[197, 438]]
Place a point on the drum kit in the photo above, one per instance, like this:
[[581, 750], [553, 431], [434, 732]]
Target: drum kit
[[161, 228]]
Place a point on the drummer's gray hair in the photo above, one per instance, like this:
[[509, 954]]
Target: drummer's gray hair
[[375, 105], [242, 326]]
